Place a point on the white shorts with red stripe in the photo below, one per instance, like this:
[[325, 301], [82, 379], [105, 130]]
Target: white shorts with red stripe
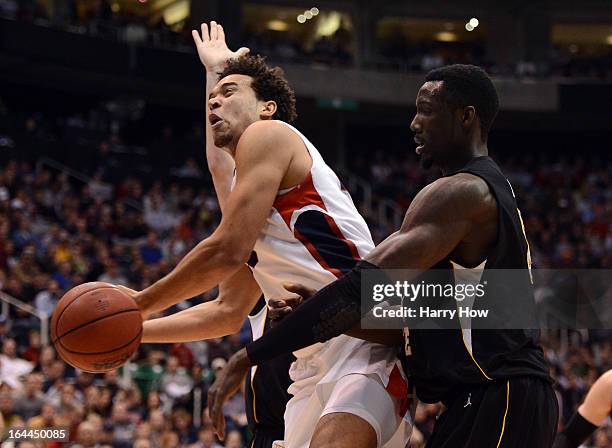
[[357, 394]]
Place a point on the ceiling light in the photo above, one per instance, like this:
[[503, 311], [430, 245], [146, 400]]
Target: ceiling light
[[308, 15], [301, 18], [474, 22], [469, 27], [314, 11], [277, 25], [446, 36]]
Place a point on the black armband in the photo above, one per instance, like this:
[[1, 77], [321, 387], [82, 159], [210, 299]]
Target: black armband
[[577, 430], [329, 313]]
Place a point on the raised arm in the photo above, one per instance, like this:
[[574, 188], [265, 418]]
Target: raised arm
[[263, 156], [214, 53]]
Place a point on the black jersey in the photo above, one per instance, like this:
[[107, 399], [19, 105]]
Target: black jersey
[[440, 361], [266, 388]]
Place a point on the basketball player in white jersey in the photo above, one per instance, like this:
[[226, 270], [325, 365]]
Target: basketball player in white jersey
[[288, 216]]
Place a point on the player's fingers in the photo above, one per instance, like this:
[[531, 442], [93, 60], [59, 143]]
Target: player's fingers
[[279, 313], [220, 32], [219, 420], [196, 37], [205, 35], [276, 303], [294, 301], [214, 32], [300, 289], [243, 51], [222, 427], [212, 407], [211, 400]]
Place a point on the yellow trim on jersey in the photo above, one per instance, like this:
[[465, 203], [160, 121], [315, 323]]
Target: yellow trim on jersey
[[505, 413], [527, 242], [254, 368], [472, 355], [253, 371]]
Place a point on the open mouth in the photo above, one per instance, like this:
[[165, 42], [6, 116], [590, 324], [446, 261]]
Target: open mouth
[[421, 145], [215, 120]]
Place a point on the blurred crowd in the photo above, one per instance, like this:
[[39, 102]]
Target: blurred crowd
[[337, 49], [565, 202], [104, 18], [420, 57], [128, 216]]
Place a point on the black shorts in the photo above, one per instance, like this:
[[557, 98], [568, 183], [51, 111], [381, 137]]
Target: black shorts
[[520, 412], [264, 437]]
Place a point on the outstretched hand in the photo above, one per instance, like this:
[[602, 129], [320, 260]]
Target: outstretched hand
[[212, 48], [226, 384]]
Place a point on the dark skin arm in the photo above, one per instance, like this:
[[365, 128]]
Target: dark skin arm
[[453, 217], [278, 309]]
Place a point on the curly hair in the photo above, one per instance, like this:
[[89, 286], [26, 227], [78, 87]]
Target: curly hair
[[269, 84]]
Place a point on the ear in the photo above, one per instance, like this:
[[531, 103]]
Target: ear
[[468, 117], [267, 110]]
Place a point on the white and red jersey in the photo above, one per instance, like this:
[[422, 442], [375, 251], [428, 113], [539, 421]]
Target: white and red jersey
[[314, 234]]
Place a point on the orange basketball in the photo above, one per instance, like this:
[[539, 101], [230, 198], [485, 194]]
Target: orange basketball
[[96, 327]]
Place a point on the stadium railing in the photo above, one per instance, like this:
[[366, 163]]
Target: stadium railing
[[8, 301]]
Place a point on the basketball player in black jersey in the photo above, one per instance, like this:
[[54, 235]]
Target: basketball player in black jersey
[[496, 388]]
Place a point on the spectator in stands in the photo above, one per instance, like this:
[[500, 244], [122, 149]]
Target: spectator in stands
[[87, 435], [11, 366], [63, 276], [112, 274], [46, 300], [181, 424], [158, 424], [123, 427], [142, 443], [233, 439], [33, 351], [27, 266], [29, 402], [47, 418], [206, 438], [7, 407], [175, 381], [150, 251]]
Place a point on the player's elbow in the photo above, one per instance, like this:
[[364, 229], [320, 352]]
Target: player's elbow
[[231, 256]]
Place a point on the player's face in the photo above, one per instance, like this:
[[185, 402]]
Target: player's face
[[436, 127], [233, 107]]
